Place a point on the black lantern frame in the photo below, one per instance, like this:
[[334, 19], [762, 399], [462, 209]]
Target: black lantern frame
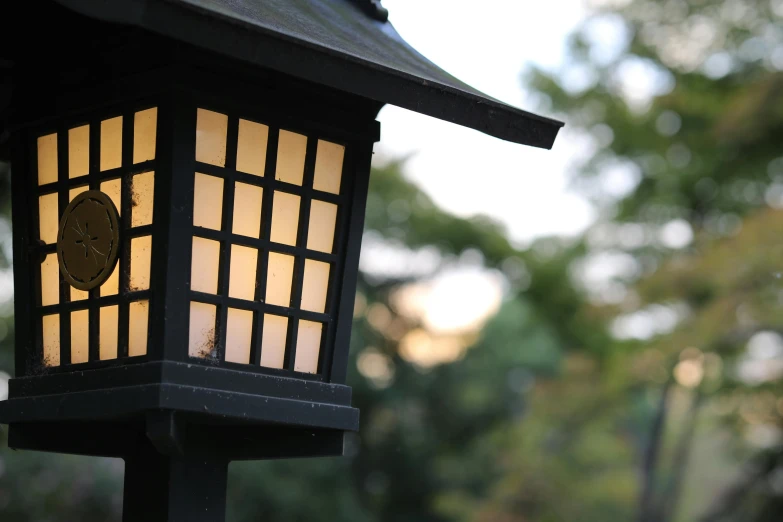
[[178, 420], [166, 412], [166, 377]]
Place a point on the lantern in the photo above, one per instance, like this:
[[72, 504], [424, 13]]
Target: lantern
[[189, 187]]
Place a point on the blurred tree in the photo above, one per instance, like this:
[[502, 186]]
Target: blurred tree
[[683, 103], [428, 449], [631, 398]]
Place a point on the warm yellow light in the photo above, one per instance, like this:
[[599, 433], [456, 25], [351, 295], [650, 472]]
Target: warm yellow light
[[245, 257], [328, 167], [285, 218], [242, 273], [202, 340], [208, 202], [113, 189], [142, 199], [273, 341], [315, 286], [251, 147], [139, 313], [211, 137], [108, 332], [323, 217], [112, 284], [247, 210], [204, 265], [238, 335], [141, 259], [48, 218], [79, 151], [51, 340], [279, 279], [47, 159], [111, 143], [50, 281], [144, 135], [80, 336], [291, 149], [308, 347]]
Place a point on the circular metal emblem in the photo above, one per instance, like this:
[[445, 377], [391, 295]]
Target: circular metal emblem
[[88, 240]]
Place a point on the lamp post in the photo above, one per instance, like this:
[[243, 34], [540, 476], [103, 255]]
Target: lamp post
[[189, 186]]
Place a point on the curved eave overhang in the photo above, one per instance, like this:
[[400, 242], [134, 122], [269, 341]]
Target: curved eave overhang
[[331, 42]]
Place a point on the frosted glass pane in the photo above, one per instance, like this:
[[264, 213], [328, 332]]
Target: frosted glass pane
[[79, 151], [47, 159], [139, 316], [144, 135], [279, 277], [80, 336], [201, 342], [113, 189], [142, 199], [141, 257], [79, 295], [238, 335], [285, 218], [204, 265], [51, 340], [111, 143], [211, 137], [308, 347], [291, 149], [112, 284], [328, 167], [48, 218], [251, 147], [247, 210], [315, 285], [320, 234], [242, 278], [110, 316], [273, 341], [208, 201], [50, 281]]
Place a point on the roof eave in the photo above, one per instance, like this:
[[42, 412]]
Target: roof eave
[[233, 38]]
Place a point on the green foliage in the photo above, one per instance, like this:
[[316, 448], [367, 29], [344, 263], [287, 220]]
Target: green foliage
[[704, 149], [547, 416]]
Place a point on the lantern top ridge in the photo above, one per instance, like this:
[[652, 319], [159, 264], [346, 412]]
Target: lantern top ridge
[[374, 9], [343, 44]]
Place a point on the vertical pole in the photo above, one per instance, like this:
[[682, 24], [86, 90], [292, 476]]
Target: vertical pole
[[160, 488]]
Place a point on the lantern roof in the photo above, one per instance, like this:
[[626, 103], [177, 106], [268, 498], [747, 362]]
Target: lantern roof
[[344, 44]]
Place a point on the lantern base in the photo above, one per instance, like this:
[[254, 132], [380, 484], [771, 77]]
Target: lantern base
[[176, 435], [213, 395], [183, 409]]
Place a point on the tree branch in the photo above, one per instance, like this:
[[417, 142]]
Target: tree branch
[[650, 462]]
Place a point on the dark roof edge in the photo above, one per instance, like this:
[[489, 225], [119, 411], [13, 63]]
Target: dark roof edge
[[339, 70]]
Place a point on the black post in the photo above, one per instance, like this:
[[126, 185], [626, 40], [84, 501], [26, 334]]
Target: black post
[[160, 488]]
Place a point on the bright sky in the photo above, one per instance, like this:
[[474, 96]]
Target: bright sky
[[487, 44]]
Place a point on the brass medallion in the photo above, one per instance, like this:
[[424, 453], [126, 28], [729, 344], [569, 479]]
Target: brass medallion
[[88, 240]]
